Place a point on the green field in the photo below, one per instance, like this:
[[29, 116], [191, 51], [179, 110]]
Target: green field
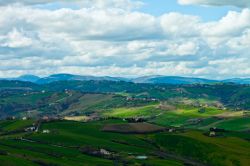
[[62, 146], [14, 125], [234, 124], [182, 116], [211, 151], [129, 112], [124, 124]]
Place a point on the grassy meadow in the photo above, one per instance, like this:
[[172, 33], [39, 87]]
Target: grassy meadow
[[62, 146]]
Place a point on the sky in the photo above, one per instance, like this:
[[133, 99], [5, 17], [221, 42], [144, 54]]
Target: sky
[[128, 38]]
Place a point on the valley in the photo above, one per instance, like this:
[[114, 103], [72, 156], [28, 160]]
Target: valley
[[121, 123]]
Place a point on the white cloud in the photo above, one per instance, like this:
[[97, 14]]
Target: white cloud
[[15, 39], [121, 42], [241, 43], [122, 4], [232, 24], [176, 24], [237, 3]]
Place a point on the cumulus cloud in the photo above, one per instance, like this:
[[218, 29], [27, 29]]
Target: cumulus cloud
[[237, 3], [232, 24], [122, 4], [15, 39], [176, 24], [32, 2], [121, 42]]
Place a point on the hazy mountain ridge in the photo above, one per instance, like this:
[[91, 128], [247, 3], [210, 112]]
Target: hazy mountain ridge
[[154, 79], [173, 80], [238, 80]]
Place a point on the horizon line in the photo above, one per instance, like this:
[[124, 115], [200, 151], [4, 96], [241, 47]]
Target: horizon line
[[127, 77]]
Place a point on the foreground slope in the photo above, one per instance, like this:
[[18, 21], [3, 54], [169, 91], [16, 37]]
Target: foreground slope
[[78, 143]]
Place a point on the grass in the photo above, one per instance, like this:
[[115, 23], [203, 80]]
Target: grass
[[79, 134], [48, 155], [88, 102], [212, 151], [27, 98], [170, 119], [194, 112], [15, 161], [232, 147], [181, 116], [145, 111], [71, 135], [61, 146], [13, 125], [235, 124]]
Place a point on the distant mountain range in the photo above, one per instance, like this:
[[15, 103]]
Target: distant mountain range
[[63, 77], [172, 80], [157, 79], [238, 80], [70, 77]]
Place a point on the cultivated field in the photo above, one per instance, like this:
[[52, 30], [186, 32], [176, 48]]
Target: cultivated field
[[140, 128], [64, 143]]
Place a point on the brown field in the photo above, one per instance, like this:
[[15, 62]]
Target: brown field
[[138, 128], [77, 118]]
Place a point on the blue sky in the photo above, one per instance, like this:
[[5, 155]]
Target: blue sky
[[196, 38], [207, 13], [159, 7]]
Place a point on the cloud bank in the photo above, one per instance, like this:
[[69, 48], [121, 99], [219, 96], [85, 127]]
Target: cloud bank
[[122, 4], [119, 42], [237, 3]]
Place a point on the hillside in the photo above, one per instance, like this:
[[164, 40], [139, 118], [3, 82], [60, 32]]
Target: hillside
[[81, 97], [123, 123]]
